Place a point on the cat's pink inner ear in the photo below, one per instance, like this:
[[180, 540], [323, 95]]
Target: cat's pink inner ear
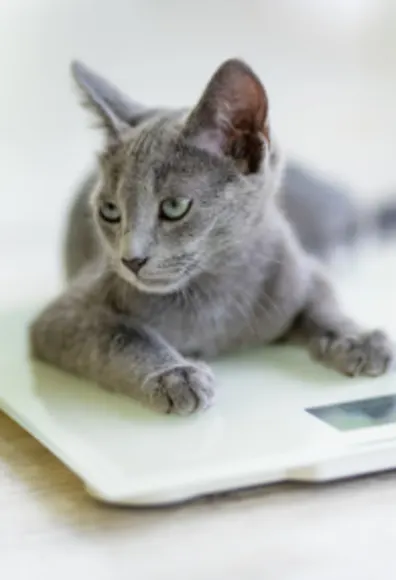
[[231, 117]]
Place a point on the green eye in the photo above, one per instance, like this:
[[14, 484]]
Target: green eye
[[109, 212], [174, 208]]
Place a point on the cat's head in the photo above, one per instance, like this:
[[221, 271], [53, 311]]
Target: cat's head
[[181, 193]]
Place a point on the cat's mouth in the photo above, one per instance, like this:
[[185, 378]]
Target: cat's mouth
[[158, 283]]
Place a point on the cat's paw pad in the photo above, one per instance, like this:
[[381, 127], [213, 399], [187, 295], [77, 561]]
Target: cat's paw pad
[[369, 354], [182, 390]]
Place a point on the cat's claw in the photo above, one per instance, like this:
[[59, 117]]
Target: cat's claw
[[370, 354], [182, 390]]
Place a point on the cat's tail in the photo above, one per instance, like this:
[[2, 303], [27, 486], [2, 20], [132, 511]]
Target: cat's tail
[[373, 222], [327, 216], [384, 218]]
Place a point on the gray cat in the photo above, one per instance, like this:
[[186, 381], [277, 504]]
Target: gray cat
[[179, 249]]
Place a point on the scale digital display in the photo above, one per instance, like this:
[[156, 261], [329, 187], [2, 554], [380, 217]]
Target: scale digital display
[[361, 414]]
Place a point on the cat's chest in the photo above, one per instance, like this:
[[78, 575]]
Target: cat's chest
[[204, 328], [205, 325]]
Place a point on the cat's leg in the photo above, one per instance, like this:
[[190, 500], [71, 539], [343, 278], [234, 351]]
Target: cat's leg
[[96, 343], [337, 341]]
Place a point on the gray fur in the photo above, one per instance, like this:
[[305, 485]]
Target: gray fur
[[325, 214], [230, 275]]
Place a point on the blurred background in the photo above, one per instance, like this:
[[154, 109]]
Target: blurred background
[[329, 68]]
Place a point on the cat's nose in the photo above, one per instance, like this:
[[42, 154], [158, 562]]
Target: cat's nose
[[134, 264]]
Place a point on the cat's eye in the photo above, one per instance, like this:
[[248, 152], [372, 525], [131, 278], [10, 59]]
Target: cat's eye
[[174, 208], [109, 212]]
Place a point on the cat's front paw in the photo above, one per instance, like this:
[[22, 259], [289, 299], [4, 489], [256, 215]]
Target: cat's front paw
[[369, 354], [182, 390]]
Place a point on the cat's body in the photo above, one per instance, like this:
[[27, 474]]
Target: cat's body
[[216, 312], [211, 317], [180, 249]]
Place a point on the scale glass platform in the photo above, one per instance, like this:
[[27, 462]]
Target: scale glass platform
[[278, 416]]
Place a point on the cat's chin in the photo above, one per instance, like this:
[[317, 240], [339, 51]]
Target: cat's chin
[[154, 287], [157, 288]]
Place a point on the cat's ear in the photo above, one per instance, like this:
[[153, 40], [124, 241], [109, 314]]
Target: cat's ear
[[232, 116], [115, 112]]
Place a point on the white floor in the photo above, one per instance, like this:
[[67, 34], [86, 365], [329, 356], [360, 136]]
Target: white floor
[[330, 69]]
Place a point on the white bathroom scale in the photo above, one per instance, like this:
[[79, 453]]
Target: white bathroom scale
[[278, 417]]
